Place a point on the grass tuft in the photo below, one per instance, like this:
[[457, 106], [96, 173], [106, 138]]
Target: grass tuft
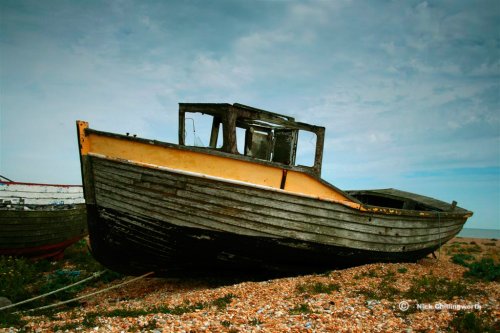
[[431, 288], [301, 309], [22, 278], [470, 322], [402, 270], [255, 322], [462, 259], [221, 303], [16, 277], [66, 327], [318, 288], [384, 290], [485, 269]]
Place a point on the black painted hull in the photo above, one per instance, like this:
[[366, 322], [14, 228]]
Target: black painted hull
[[191, 251]]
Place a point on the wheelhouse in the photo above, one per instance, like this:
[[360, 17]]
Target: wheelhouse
[[243, 130]]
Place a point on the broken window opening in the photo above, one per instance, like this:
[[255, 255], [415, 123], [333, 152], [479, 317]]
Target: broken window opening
[[306, 148], [285, 145], [240, 139], [202, 130], [258, 143]]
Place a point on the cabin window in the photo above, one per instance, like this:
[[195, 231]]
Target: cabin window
[[202, 130], [258, 143], [240, 139], [285, 144], [306, 148], [264, 143]]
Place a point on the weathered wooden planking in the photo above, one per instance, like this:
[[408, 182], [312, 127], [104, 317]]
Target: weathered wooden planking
[[39, 240], [443, 226], [20, 216], [40, 188], [135, 230], [428, 201], [43, 231], [37, 194], [236, 211], [279, 229], [287, 202]]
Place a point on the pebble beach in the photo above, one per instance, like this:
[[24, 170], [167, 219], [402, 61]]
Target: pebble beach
[[434, 294]]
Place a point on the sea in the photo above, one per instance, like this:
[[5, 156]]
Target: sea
[[480, 233]]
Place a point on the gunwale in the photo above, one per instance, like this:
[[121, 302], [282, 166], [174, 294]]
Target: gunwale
[[40, 184]]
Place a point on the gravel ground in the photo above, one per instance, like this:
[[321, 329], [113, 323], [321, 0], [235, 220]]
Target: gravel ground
[[368, 298]]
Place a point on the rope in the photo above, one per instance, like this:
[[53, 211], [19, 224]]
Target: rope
[[7, 179], [88, 295], [439, 230], [439, 226], [93, 276]]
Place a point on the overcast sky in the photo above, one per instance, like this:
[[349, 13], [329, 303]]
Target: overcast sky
[[408, 90]]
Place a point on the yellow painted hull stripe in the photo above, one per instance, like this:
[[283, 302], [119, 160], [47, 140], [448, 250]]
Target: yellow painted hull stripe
[[220, 167]]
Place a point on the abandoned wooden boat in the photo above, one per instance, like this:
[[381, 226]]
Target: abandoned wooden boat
[[242, 201], [40, 220]]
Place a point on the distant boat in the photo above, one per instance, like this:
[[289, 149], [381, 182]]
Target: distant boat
[[40, 220], [242, 201]]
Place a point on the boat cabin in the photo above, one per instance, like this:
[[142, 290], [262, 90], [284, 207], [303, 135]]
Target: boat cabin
[[243, 130]]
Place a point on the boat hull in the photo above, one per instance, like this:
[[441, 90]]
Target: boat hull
[[40, 221], [153, 219], [41, 234], [180, 250]]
